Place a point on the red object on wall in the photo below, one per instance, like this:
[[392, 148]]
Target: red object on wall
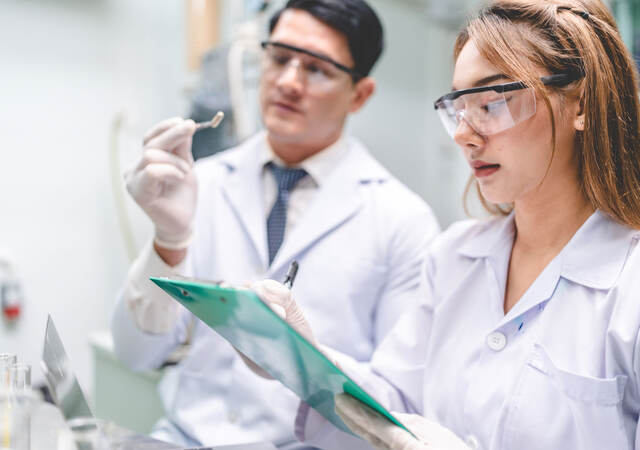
[[11, 301]]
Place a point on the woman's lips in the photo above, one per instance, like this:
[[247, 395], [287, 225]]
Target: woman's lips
[[484, 169]]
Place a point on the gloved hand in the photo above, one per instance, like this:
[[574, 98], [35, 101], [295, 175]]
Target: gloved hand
[[382, 434], [280, 299], [163, 182]]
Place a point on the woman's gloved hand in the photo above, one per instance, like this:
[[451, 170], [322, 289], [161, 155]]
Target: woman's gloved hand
[[163, 182], [280, 299], [382, 434]]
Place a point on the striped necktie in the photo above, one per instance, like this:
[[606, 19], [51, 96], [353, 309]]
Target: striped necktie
[[277, 220]]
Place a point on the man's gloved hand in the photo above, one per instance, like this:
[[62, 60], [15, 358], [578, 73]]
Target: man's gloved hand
[[382, 434], [163, 182]]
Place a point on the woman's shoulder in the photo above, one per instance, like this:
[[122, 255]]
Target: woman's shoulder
[[467, 233]]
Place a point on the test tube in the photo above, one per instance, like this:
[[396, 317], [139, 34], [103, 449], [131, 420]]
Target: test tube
[[20, 376], [6, 361]]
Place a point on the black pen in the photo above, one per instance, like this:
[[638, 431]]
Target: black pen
[[291, 274]]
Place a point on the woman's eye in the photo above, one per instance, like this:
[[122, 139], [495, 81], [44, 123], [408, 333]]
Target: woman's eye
[[313, 68], [495, 106]]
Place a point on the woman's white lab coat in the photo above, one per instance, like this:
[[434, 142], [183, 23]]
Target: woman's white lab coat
[[559, 371]]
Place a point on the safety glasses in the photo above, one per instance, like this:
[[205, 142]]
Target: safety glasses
[[316, 69], [493, 109]]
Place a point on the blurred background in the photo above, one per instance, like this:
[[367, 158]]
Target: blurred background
[[81, 81]]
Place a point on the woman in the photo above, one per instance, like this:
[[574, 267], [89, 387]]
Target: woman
[[528, 337]]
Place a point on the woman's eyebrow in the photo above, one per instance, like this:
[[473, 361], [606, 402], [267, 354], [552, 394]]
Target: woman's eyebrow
[[486, 80]]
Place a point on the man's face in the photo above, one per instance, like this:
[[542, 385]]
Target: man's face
[[302, 104]]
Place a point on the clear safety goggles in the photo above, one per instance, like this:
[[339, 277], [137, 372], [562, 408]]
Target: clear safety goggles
[[316, 69], [492, 109]]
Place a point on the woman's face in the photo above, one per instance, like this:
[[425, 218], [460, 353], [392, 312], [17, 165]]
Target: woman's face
[[514, 164]]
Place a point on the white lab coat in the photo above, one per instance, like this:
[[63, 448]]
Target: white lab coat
[[559, 371], [359, 245]]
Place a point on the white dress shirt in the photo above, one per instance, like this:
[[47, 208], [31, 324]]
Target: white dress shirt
[[318, 167], [560, 370]]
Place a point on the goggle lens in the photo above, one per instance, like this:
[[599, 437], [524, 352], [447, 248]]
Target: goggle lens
[[488, 112]]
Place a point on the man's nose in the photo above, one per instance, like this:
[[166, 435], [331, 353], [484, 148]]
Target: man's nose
[[291, 76]]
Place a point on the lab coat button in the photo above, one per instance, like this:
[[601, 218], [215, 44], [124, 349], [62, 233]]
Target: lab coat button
[[233, 416], [496, 341], [472, 442]]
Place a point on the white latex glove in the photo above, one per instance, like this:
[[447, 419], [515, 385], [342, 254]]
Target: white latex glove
[[382, 434], [279, 298], [163, 182]]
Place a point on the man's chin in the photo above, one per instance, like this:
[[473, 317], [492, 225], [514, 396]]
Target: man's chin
[[284, 132]]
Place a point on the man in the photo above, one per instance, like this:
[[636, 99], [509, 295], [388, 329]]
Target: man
[[298, 191]]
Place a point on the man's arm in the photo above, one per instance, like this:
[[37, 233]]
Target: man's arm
[[147, 324]]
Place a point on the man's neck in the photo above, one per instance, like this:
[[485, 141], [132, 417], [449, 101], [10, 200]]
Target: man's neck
[[295, 152]]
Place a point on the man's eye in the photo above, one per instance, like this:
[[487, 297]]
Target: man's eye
[[313, 68], [280, 60]]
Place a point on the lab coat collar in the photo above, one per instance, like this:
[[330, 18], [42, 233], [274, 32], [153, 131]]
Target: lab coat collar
[[356, 164], [318, 166], [243, 189], [491, 235], [597, 253], [337, 200], [594, 257]]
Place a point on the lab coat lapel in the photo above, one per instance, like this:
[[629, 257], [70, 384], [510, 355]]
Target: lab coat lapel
[[338, 200], [493, 243], [593, 257], [244, 192]]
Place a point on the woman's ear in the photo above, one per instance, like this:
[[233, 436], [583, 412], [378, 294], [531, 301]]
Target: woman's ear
[[578, 122]]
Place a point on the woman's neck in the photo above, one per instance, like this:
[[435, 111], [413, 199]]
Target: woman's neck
[[547, 221]]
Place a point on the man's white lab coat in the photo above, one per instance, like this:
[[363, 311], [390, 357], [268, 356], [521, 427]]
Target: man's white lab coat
[[360, 244]]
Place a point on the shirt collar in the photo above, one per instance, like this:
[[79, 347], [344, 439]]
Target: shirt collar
[[594, 256], [318, 166]]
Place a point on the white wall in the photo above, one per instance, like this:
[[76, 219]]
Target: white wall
[[67, 68], [400, 125]]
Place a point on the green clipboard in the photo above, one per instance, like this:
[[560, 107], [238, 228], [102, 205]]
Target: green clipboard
[[252, 327]]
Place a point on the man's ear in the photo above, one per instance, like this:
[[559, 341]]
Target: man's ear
[[363, 89]]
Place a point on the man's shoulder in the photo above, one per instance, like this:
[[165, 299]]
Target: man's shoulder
[[392, 200], [377, 179]]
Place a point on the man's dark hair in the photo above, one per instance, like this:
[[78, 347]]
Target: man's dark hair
[[353, 18]]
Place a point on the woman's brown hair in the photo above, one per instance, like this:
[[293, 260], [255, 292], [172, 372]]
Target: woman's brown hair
[[567, 36]]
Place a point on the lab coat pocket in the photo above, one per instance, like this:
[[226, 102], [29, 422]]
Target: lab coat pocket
[[551, 408]]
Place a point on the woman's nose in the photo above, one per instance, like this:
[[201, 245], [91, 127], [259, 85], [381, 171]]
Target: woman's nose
[[466, 135]]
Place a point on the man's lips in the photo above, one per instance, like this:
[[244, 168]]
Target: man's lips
[[286, 106], [483, 168]]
